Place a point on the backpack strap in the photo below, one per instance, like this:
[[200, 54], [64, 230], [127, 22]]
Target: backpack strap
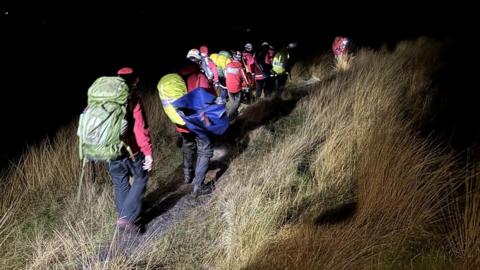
[[198, 81], [129, 108]]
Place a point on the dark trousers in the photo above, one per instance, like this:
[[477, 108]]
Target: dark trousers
[[280, 81], [265, 85], [235, 99], [204, 148], [129, 198]]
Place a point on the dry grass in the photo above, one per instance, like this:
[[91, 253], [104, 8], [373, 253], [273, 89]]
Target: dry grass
[[352, 186], [318, 68], [343, 182], [41, 225], [464, 238], [343, 62]]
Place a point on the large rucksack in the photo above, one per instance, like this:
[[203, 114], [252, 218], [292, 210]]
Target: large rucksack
[[103, 122], [170, 88], [221, 62]]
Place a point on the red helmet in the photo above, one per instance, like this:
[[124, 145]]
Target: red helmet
[[204, 50], [125, 71]]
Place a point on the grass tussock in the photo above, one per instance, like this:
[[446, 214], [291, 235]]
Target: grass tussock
[[343, 62]]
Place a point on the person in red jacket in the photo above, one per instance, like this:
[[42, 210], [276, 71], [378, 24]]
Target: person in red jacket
[[236, 81], [195, 79], [248, 58], [129, 197], [248, 61], [190, 142], [263, 70], [269, 53], [340, 46], [206, 65]]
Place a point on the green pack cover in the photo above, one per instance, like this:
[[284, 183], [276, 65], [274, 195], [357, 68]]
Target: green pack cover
[[103, 122], [170, 88]]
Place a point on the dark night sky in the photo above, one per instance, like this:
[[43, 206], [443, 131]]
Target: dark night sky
[[50, 54]]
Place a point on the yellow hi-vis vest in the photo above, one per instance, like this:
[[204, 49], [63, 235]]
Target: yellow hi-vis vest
[[170, 88], [280, 60]]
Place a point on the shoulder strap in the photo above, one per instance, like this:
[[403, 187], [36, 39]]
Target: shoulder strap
[[198, 80]]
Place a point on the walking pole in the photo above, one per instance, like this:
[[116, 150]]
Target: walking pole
[[80, 181]]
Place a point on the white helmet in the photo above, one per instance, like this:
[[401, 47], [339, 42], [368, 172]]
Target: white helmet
[[265, 44], [194, 55], [237, 56]]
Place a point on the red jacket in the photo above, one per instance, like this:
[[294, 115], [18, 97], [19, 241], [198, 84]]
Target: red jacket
[[194, 79], [182, 129], [235, 77], [269, 56], [258, 71], [138, 134], [199, 79], [249, 62], [214, 69], [339, 46]]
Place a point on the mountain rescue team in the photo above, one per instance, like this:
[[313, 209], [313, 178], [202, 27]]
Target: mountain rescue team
[[113, 128]]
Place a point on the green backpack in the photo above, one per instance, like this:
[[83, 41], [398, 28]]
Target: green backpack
[[102, 124]]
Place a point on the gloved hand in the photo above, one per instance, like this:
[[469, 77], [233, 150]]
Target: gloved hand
[[148, 164]]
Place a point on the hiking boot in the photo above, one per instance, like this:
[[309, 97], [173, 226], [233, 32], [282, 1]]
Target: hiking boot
[[127, 226], [201, 190]]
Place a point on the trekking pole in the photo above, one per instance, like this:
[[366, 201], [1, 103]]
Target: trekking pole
[[80, 181]]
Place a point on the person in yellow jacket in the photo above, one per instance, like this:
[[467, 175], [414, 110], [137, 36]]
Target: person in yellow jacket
[[281, 65]]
